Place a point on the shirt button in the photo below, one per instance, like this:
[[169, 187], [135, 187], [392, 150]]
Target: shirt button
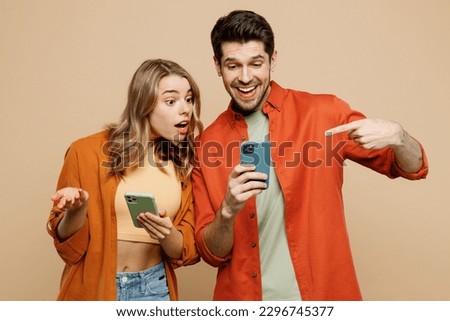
[[253, 244], [243, 138], [254, 275], [238, 117], [252, 215], [124, 279]]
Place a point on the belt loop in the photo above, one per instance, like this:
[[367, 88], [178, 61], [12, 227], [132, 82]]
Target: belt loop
[[142, 276]]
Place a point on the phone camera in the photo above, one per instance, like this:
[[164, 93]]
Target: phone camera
[[131, 199], [249, 149]]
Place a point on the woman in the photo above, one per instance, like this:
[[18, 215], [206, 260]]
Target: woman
[[151, 149]]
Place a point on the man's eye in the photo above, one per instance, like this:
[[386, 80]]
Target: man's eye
[[231, 67]]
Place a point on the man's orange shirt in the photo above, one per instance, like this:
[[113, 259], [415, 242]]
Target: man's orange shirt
[[309, 167]]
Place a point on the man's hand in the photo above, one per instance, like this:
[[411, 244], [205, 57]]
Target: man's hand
[[243, 183], [372, 133], [377, 134]]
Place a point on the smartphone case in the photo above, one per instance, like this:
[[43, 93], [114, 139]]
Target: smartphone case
[[139, 202], [258, 154]]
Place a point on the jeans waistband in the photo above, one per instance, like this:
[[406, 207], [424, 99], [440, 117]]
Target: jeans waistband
[[151, 270]]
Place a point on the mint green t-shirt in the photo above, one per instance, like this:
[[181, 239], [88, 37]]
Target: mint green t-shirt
[[278, 277]]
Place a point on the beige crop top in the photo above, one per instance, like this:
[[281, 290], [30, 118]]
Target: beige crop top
[[164, 186]]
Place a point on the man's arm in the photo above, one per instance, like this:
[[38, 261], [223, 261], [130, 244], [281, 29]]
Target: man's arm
[[378, 133], [408, 154], [218, 235], [243, 183]]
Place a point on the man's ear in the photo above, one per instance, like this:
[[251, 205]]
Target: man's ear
[[273, 61], [217, 64]]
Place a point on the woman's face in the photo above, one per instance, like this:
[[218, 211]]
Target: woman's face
[[172, 114]]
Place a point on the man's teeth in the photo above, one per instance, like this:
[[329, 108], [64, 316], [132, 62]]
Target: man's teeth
[[246, 90]]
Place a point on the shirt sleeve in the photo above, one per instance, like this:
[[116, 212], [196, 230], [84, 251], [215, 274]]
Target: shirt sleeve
[[422, 173], [74, 248], [382, 160], [184, 222], [204, 215]]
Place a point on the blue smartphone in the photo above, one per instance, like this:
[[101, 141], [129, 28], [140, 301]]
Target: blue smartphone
[[258, 154], [140, 202]]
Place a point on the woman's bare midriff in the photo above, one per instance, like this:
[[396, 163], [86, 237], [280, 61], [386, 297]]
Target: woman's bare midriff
[[137, 256]]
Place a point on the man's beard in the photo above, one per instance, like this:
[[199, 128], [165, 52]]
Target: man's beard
[[247, 111], [243, 111]]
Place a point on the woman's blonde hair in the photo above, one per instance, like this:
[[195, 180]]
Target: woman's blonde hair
[[129, 138]]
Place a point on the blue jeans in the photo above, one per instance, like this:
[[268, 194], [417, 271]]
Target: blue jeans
[[147, 285]]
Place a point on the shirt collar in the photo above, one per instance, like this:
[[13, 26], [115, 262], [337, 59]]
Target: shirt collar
[[276, 97]]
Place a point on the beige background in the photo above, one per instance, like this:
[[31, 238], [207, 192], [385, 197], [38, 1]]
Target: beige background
[[65, 66]]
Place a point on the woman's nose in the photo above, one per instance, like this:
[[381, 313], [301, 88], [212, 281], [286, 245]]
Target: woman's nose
[[185, 108]]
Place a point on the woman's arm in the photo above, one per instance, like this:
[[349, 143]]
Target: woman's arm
[[74, 202]]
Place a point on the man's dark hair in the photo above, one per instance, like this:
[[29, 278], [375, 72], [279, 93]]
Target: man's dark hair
[[241, 26]]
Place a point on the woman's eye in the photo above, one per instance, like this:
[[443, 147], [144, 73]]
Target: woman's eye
[[190, 100], [170, 102]]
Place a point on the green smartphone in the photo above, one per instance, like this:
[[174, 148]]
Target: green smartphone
[[140, 202]]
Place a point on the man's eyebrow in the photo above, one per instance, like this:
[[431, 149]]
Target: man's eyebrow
[[257, 57], [232, 59]]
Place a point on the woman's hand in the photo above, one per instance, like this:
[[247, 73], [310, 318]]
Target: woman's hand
[[74, 202], [70, 198], [160, 227], [157, 226]]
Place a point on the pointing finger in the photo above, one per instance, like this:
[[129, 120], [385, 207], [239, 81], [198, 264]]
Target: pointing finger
[[343, 128]]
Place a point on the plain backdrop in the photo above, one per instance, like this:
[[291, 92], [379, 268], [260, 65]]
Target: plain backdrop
[[64, 70]]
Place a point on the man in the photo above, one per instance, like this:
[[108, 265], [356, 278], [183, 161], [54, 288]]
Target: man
[[285, 240]]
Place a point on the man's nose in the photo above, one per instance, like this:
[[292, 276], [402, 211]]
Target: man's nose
[[245, 75]]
